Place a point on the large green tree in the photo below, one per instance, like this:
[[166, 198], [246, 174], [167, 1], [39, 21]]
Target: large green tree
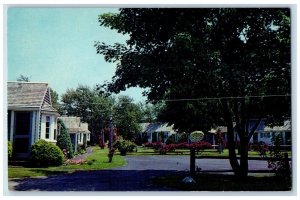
[[210, 66], [126, 117]]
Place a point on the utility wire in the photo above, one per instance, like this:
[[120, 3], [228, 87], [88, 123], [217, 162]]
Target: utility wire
[[218, 98], [209, 98]]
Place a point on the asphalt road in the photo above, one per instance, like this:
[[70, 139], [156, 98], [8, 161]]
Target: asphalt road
[[135, 176]]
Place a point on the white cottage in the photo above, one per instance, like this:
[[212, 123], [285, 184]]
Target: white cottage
[[157, 132], [78, 131], [31, 116]]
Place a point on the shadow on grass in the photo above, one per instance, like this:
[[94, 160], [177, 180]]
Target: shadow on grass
[[225, 182], [148, 180]]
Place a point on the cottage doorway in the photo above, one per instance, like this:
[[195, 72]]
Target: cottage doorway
[[22, 134]]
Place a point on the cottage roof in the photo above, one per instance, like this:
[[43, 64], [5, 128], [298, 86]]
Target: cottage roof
[[48, 108], [84, 128], [72, 124], [287, 126], [29, 95], [260, 128], [157, 127]]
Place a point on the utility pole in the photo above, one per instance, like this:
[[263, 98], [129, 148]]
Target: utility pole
[[110, 132]]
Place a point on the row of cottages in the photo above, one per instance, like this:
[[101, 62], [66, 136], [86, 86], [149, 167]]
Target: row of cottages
[[156, 132], [160, 132], [78, 131], [263, 133], [31, 116]]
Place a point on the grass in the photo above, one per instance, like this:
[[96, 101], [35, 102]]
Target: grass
[[221, 182], [96, 161]]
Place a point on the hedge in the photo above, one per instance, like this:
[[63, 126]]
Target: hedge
[[44, 154]]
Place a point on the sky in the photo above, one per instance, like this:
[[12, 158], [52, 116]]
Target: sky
[[56, 45]]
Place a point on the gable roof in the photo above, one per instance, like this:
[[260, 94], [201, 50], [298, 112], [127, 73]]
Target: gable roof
[[72, 124], [157, 127], [26, 94], [287, 126]]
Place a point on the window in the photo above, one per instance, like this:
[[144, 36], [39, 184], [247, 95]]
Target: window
[[47, 127], [55, 135], [265, 135]]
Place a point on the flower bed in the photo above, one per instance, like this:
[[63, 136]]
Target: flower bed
[[166, 148]]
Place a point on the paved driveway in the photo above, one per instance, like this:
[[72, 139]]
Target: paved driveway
[[135, 176]]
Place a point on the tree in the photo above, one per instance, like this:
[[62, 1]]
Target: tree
[[23, 78], [149, 112], [210, 66], [64, 140], [54, 100], [126, 117]]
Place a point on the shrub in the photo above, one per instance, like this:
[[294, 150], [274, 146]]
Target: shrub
[[201, 145], [64, 140], [44, 154], [9, 150], [100, 142], [81, 149], [261, 148], [277, 161], [124, 146]]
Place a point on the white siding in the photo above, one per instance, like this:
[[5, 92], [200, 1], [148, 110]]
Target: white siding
[[33, 126], [43, 127]]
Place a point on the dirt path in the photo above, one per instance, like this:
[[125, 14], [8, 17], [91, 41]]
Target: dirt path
[[89, 151]]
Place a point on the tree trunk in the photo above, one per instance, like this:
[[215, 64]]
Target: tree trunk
[[243, 158], [232, 154], [240, 169]]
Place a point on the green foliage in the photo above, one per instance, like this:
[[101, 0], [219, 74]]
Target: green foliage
[[278, 162], [54, 100], [23, 78], [44, 154], [64, 140], [9, 149], [126, 117], [149, 112], [124, 146], [81, 149]]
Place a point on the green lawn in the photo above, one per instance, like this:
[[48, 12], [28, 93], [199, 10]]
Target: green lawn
[[97, 160]]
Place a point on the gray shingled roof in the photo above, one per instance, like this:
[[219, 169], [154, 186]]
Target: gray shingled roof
[[48, 108], [157, 127], [84, 128], [72, 124], [26, 94]]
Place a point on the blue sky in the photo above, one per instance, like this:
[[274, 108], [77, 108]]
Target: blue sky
[[56, 45]]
